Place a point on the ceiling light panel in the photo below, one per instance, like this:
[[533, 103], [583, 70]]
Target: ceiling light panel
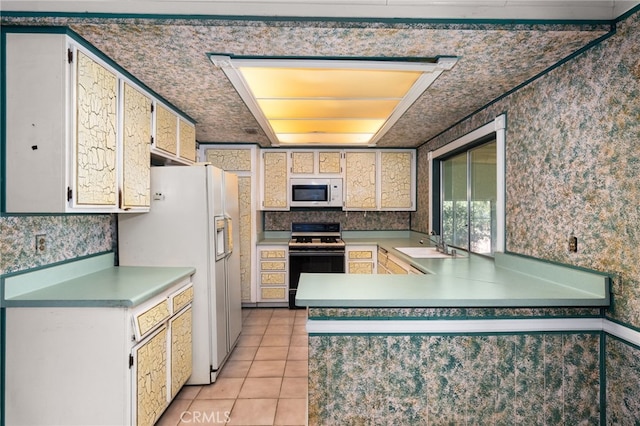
[[326, 126], [312, 102], [327, 108], [325, 138], [283, 83]]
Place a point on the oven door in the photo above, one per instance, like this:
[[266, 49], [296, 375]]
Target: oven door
[[317, 261]]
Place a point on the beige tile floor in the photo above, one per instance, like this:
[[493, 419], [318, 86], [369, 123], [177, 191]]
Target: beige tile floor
[[264, 381]]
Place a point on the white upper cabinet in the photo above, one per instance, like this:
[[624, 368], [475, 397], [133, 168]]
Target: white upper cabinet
[[136, 143], [174, 140], [380, 180], [187, 141], [361, 180], [79, 129], [373, 179], [397, 180], [316, 163], [275, 180]]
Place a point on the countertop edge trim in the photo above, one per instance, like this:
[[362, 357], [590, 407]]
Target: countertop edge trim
[[454, 326]]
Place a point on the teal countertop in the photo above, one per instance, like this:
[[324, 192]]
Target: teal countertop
[[93, 282], [470, 281]]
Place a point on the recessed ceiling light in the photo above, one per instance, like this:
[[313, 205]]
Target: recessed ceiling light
[[329, 101]]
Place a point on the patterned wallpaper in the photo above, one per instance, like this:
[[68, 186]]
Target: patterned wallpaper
[[573, 164], [68, 237], [573, 167], [349, 221]]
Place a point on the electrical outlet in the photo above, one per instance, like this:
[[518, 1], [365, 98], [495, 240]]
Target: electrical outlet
[[573, 244], [41, 243]]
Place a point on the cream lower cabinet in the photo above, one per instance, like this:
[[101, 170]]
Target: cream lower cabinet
[[273, 273], [361, 259], [389, 264], [97, 365]]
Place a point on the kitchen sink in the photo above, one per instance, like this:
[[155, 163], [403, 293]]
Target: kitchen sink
[[424, 252]]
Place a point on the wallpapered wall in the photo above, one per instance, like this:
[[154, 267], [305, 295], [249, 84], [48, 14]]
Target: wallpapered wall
[[68, 237], [349, 221], [573, 167], [573, 164]]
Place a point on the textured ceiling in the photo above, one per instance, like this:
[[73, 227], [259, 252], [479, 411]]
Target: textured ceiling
[[170, 56]]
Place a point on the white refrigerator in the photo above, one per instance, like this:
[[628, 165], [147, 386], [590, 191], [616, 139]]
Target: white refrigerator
[[191, 223]]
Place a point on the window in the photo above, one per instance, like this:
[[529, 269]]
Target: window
[[468, 190]]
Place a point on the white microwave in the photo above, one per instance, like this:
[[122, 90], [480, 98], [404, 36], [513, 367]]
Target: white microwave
[[312, 192]]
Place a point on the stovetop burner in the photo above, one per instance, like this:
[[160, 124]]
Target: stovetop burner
[[320, 235]]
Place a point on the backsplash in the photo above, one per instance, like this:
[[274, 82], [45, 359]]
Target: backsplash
[[68, 237], [350, 221]]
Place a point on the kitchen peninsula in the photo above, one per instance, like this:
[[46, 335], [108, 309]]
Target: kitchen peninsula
[[472, 340]]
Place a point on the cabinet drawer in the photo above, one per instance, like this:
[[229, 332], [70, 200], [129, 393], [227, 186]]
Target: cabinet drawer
[[148, 319], [273, 266], [272, 254], [360, 254], [273, 293], [360, 268], [275, 278], [182, 298]]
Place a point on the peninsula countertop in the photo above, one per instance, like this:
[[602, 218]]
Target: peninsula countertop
[[465, 281]]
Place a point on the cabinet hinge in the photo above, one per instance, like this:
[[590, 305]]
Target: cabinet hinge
[[69, 193], [130, 360], [152, 140], [70, 56]]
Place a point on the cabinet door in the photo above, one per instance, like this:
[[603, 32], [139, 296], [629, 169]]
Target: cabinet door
[[150, 361], [187, 138], [397, 180], [275, 181], [166, 130], [330, 163], [360, 180], [96, 134], [303, 162], [396, 266], [181, 352], [136, 148]]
